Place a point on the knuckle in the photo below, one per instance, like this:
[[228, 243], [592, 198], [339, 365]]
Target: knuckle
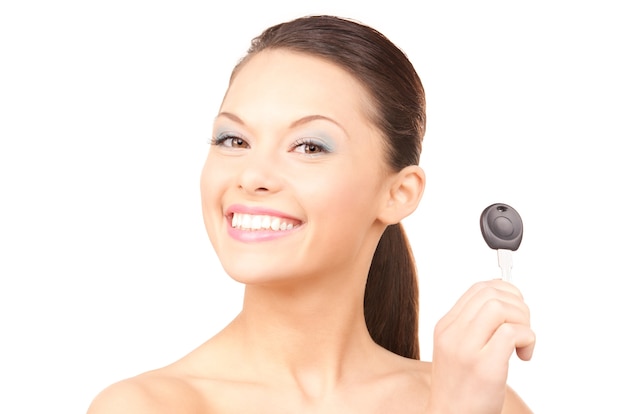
[[507, 331], [494, 305], [483, 284]]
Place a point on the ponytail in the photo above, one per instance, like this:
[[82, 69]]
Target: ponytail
[[391, 295]]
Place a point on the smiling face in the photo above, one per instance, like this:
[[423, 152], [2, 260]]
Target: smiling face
[[295, 178]]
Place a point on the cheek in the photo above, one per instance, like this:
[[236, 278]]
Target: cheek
[[205, 183], [342, 212], [212, 184], [345, 194], [211, 180]]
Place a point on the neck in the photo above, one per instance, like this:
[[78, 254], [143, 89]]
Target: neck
[[312, 333]]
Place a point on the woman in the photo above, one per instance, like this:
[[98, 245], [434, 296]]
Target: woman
[[313, 164]]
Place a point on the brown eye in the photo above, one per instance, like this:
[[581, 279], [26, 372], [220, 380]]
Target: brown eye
[[230, 142], [309, 147], [238, 143]]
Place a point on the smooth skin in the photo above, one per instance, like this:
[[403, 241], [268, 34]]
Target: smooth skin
[[294, 135]]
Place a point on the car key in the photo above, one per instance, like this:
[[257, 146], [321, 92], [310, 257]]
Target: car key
[[502, 229]]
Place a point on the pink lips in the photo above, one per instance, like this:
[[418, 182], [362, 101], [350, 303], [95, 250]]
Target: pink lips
[[247, 235]]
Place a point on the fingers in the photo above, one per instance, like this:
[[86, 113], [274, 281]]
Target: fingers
[[490, 315], [487, 315], [480, 287], [467, 307]]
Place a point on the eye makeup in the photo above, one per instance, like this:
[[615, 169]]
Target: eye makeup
[[318, 138], [222, 134], [300, 137]]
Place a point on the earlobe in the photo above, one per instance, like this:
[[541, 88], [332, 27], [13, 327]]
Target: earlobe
[[404, 194]]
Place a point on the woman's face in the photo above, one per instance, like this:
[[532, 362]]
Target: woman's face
[[295, 176]]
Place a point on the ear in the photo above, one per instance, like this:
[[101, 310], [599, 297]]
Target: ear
[[403, 194]]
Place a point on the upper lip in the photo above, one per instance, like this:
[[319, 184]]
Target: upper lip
[[258, 210]]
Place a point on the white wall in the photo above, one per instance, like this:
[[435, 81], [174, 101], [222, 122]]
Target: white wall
[[105, 269]]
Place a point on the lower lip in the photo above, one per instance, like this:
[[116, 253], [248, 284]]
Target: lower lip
[[256, 236]]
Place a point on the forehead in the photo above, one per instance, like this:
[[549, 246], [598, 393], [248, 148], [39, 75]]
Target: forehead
[[297, 83]]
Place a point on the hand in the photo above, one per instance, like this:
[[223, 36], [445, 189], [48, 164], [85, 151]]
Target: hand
[[472, 347]]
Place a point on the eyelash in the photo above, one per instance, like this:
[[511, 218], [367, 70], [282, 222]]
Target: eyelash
[[309, 142], [303, 142], [221, 140]]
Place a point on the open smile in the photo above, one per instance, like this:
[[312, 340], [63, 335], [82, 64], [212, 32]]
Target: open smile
[[259, 222]]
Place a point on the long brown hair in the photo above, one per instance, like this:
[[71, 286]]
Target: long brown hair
[[391, 293]]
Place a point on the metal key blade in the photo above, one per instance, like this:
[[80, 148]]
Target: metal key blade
[[505, 261]]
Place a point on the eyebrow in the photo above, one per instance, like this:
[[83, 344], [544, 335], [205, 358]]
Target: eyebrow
[[298, 122]]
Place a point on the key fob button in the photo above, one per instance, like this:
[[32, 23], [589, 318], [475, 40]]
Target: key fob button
[[502, 227]]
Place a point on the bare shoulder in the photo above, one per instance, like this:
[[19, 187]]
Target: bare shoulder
[[152, 392], [513, 403]]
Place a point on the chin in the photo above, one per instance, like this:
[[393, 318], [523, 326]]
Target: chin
[[264, 274], [258, 278]]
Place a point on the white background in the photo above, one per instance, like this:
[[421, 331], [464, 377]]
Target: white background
[[105, 108]]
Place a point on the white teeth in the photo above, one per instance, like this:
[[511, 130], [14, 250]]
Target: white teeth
[[266, 223], [245, 220], [275, 223], [260, 222]]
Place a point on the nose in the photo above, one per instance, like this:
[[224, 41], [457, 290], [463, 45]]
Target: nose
[[259, 175]]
